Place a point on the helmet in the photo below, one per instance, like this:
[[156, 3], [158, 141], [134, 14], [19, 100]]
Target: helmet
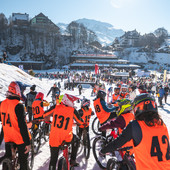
[[124, 88], [125, 105], [144, 103], [85, 103], [101, 94], [69, 100], [116, 88], [14, 89], [40, 96]]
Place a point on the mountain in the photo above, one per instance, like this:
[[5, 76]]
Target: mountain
[[105, 32]]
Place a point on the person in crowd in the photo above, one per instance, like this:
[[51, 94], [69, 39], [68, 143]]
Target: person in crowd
[[161, 94], [103, 112], [142, 89], [149, 136], [166, 89], [63, 115], [132, 92], [124, 91], [5, 56], [53, 89], [80, 89], [30, 97], [12, 115]]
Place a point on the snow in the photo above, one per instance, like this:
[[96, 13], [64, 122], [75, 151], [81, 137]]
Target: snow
[[9, 73]]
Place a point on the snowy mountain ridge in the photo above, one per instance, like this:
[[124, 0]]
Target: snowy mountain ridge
[[105, 32]]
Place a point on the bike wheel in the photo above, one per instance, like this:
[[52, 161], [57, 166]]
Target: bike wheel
[[86, 144], [31, 155], [6, 164], [112, 164], [95, 126], [37, 141], [98, 144], [62, 164]]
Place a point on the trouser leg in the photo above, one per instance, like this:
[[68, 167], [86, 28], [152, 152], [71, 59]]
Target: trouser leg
[[22, 157], [54, 157], [75, 144]]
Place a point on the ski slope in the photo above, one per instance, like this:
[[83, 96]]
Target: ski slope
[[41, 161]]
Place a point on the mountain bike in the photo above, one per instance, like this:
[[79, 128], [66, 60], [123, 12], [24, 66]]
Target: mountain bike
[[63, 162], [13, 162]]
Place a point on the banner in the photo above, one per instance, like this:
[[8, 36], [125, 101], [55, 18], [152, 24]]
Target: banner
[[96, 69], [164, 76]]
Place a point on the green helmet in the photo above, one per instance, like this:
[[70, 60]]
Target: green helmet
[[125, 105]]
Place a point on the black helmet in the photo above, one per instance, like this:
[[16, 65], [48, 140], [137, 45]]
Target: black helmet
[[144, 103], [101, 94]]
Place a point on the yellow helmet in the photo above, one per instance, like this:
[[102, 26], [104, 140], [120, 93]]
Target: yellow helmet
[[125, 105]]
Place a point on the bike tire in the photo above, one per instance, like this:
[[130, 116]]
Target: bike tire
[[98, 144], [8, 163], [37, 141], [112, 164], [86, 144], [62, 164], [31, 155], [95, 126]]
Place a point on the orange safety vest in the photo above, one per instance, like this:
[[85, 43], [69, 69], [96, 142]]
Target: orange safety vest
[[37, 110], [61, 128], [100, 112], [114, 98], [153, 150], [86, 117], [10, 122], [127, 117], [122, 95]]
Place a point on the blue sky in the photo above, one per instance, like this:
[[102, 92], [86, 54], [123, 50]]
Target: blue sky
[[143, 15]]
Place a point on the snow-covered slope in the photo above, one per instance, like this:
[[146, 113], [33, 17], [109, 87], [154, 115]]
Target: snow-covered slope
[[105, 32]]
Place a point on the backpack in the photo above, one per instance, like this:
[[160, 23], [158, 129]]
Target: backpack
[[30, 99]]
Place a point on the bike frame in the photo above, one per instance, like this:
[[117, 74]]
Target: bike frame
[[66, 156]]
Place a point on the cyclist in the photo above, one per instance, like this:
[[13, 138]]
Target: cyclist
[[37, 106], [30, 97], [61, 128], [149, 135], [124, 116], [53, 89], [12, 115], [103, 112], [85, 112], [116, 96]]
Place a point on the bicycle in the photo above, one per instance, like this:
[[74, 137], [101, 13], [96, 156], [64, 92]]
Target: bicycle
[[85, 142], [13, 162], [127, 161], [63, 162]]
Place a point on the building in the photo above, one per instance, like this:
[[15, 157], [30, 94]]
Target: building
[[88, 61], [20, 19], [41, 21], [129, 39], [27, 65]]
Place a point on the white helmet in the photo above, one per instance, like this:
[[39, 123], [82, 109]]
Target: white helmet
[[124, 88], [69, 100]]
